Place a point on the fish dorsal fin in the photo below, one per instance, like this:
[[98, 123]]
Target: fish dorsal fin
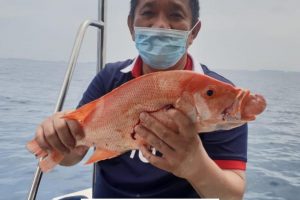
[[101, 154], [82, 113]]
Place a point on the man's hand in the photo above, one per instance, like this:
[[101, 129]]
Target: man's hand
[[60, 134], [175, 136], [174, 133]]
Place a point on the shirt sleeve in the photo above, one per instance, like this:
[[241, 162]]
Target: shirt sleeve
[[227, 148]]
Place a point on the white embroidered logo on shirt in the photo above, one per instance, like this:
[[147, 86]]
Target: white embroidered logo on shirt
[[141, 157]]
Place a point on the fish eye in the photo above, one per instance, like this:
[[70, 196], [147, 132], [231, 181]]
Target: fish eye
[[210, 93]]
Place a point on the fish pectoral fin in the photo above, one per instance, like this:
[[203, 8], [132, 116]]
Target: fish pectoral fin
[[186, 104], [101, 154]]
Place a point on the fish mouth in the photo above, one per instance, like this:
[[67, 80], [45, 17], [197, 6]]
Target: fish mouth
[[233, 111], [254, 105]]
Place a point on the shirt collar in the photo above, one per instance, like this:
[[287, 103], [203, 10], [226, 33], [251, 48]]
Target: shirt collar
[[136, 66]]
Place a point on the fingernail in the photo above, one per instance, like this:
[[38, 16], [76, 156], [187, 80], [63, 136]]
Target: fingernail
[[143, 116], [136, 128]]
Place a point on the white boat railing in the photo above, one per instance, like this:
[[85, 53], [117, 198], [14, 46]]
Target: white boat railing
[[68, 76]]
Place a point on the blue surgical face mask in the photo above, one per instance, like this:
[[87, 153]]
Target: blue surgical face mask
[[161, 48]]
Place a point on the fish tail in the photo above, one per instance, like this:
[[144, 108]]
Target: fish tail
[[35, 149], [49, 162]]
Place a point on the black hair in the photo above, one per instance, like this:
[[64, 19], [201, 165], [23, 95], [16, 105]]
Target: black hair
[[194, 5]]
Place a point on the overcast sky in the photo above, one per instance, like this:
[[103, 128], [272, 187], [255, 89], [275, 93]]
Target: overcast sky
[[235, 34]]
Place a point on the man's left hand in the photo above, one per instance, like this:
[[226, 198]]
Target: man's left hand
[[173, 135]]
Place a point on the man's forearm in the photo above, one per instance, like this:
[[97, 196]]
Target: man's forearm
[[212, 182]]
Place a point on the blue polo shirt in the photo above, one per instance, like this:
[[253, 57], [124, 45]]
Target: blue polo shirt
[[130, 175]]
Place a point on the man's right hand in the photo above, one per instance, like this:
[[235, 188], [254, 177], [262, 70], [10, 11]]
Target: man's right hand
[[60, 134]]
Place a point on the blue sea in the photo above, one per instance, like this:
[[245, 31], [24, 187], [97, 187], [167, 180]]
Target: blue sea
[[29, 90]]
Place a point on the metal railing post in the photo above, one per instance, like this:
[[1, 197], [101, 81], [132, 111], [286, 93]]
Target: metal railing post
[[64, 89], [101, 39]]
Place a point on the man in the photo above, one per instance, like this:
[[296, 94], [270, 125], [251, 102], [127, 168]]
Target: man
[[185, 164]]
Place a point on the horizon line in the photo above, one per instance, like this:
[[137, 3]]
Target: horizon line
[[95, 62]]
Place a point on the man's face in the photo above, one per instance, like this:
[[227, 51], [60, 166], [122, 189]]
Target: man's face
[[170, 14], [173, 14], [166, 14]]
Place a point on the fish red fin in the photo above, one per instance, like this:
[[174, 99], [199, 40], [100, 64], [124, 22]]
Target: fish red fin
[[186, 104], [35, 149], [49, 162], [41, 154], [82, 113], [101, 154]]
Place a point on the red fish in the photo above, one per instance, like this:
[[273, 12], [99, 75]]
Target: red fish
[[109, 121]]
